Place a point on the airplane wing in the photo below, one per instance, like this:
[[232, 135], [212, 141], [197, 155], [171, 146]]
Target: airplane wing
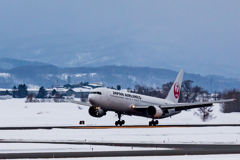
[[195, 105], [79, 102], [184, 106]]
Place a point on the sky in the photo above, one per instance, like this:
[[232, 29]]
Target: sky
[[208, 30], [183, 19]]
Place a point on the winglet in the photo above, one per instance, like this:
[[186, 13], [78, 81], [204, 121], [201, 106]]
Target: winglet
[[174, 92]]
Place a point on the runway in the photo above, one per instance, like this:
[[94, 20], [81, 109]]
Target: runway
[[115, 127], [172, 149], [176, 149]]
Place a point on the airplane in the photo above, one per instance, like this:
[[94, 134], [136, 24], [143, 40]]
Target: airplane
[[102, 100]]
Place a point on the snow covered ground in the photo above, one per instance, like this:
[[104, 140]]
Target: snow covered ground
[[208, 135], [15, 112]]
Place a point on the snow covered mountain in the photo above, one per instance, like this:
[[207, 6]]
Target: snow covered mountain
[[130, 50], [49, 75], [9, 63]]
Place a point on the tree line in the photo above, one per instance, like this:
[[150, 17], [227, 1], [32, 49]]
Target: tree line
[[188, 94], [22, 92]]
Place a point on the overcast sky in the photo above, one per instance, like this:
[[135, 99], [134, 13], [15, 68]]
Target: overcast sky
[[209, 27], [184, 19]]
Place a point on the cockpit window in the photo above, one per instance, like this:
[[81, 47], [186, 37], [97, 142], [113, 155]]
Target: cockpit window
[[96, 93]]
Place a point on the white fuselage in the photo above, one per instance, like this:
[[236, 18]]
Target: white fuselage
[[122, 102]]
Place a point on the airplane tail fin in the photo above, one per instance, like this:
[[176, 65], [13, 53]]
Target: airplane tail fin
[[174, 92]]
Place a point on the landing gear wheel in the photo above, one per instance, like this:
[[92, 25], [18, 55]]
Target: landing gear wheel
[[153, 123], [119, 122], [150, 123]]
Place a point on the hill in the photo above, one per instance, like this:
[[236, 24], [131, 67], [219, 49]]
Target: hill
[[127, 77], [130, 50], [9, 63]]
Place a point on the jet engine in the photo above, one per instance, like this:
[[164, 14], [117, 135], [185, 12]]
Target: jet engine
[[96, 112], [154, 111]]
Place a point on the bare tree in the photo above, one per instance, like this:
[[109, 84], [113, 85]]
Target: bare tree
[[30, 98], [166, 88], [196, 91], [205, 113], [187, 90], [138, 89]]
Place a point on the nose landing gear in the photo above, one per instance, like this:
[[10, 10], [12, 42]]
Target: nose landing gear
[[119, 122], [153, 123]]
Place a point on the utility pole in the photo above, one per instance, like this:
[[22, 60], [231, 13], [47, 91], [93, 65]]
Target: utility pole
[[211, 84], [211, 87]]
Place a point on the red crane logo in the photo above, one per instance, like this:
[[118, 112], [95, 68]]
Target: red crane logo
[[176, 90]]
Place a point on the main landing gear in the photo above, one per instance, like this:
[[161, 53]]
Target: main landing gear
[[153, 123], [119, 122]]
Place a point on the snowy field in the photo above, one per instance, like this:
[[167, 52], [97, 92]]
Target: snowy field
[[15, 112], [196, 135]]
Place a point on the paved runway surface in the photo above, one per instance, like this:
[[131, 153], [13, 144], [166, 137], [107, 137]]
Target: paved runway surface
[[177, 149], [114, 127]]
